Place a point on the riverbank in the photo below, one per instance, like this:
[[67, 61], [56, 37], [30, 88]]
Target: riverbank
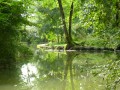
[[77, 48]]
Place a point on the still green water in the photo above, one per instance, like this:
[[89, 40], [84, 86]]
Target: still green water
[[52, 70]]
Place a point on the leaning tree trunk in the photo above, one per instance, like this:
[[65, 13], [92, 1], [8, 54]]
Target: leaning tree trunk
[[117, 19], [117, 13], [70, 21], [63, 20], [68, 35]]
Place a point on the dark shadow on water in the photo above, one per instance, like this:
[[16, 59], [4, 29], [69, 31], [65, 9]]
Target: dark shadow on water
[[8, 74], [7, 64]]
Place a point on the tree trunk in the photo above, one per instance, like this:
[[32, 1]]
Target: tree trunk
[[63, 19], [70, 21], [117, 13], [68, 36]]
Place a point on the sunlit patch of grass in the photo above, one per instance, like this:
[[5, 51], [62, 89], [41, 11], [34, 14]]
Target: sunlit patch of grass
[[54, 46]]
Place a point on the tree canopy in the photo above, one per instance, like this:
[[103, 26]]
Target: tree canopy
[[92, 19], [79, 22]]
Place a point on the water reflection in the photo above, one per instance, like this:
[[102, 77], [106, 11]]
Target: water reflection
[[9, 78], [68, 69], [65, 71], [29, 74]]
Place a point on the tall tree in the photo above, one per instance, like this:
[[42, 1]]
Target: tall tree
[[97, 19], [67, 31]]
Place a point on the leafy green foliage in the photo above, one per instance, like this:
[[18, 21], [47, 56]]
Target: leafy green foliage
[[94, 18], [49, 20], [10, 21]]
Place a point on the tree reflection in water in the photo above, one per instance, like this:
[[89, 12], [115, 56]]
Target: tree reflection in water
[[68, 69], [64, 71]]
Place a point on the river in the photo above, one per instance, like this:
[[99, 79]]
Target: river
[[68, 70]]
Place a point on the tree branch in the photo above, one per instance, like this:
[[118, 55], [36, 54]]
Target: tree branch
[[70, 20], [63, 20]]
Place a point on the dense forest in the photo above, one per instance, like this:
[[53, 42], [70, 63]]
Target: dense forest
[[87, 23]]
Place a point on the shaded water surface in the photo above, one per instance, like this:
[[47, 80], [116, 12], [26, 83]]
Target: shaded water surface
[[64, 71]]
